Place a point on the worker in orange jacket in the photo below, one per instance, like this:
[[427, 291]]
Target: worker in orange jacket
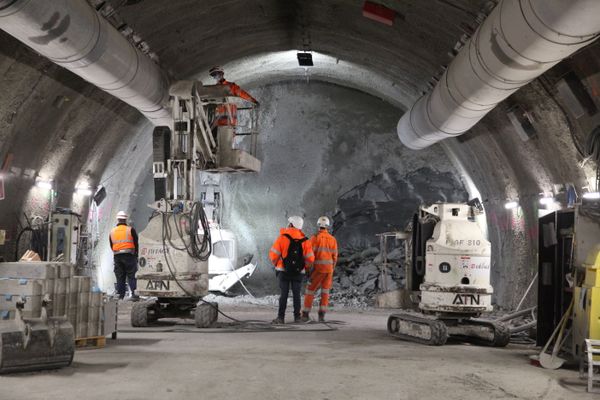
[[226, 114], [292, 255], [325, 249], [124, 244]]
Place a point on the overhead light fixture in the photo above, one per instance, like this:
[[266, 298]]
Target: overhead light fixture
[[545, 201], [43, 184], [305, 59], [511, 205], [591, 195]]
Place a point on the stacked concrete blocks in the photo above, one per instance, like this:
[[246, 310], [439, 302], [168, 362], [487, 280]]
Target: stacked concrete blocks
[[70, 296]]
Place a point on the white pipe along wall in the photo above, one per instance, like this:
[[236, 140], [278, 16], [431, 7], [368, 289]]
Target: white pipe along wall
[[73, 35], [518, 41]]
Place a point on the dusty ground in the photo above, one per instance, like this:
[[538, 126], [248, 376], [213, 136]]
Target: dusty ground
[[356, 361]]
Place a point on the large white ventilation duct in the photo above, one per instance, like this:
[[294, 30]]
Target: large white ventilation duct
[[73, 35], [519, 41]]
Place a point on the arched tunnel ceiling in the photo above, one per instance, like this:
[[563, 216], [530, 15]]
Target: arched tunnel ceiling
[[189, 38]]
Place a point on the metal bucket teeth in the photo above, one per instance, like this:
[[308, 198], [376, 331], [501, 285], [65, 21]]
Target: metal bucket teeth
[[34, 344]]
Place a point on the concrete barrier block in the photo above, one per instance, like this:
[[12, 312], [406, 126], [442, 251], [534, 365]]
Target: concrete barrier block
[[61, 286], [10, 314], [65, 270], [93, 321], [33, 305], [83, 310], [28, 269], [59, 305], [84, 284], [22, 286]]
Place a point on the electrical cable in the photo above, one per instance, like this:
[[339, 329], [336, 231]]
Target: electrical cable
[[173, 274], [198, 246], [38, 239], [26, 229]]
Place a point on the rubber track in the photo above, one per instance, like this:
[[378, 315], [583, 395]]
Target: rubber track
[[438, 330], [501, 333]]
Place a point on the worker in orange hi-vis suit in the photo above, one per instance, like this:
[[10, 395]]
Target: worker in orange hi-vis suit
[[226, 114], [292, 255], [325, 248]]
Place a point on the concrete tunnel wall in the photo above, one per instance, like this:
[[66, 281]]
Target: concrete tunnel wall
[[56, 125]]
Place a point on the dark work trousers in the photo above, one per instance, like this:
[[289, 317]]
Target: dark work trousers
[[285, 281], [125, 269]]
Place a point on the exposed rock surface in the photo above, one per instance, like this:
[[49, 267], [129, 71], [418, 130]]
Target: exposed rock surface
[[360, 275]]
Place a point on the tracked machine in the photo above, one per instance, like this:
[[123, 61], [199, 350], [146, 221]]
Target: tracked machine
[[175, 247], [447, 279]]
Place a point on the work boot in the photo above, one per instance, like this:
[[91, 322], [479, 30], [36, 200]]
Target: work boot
[[278, 321], [305, 317], [321, 316]]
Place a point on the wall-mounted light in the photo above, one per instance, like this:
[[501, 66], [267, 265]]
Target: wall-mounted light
[[592, 195], [83, 191], [43, 184], [511, 205], [546, 201]]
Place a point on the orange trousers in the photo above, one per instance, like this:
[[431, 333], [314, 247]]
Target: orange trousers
[[323, 280]]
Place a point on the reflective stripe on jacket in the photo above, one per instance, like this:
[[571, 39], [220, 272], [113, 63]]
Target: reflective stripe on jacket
[[280, 248], [225, 115], [122, 240], [325, 248]]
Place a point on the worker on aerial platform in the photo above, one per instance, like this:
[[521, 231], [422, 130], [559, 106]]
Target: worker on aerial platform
[[226, 114]]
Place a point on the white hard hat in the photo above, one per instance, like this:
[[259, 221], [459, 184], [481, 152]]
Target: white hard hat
[[296, 221], [216, 70], [122, 215], [323, 222]]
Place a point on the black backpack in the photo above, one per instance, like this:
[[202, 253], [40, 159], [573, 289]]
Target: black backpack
[[294, 261]]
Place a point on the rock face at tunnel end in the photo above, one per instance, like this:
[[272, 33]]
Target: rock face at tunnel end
[[387, 202], [330, 150]]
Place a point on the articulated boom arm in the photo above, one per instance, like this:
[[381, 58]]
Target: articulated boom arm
[[195, 142]]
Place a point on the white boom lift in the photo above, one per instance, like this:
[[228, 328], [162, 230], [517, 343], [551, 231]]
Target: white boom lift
[[448, 279], [175, 248]]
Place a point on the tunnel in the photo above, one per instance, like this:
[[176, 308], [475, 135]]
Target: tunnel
[[392, 113]]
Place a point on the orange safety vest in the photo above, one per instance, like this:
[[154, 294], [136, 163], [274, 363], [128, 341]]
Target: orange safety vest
[[225, 115], [122, 240], [280, 248], [325, 248]]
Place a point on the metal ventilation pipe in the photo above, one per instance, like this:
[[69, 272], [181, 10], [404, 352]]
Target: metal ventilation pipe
[[73, 35], [519, 41]]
